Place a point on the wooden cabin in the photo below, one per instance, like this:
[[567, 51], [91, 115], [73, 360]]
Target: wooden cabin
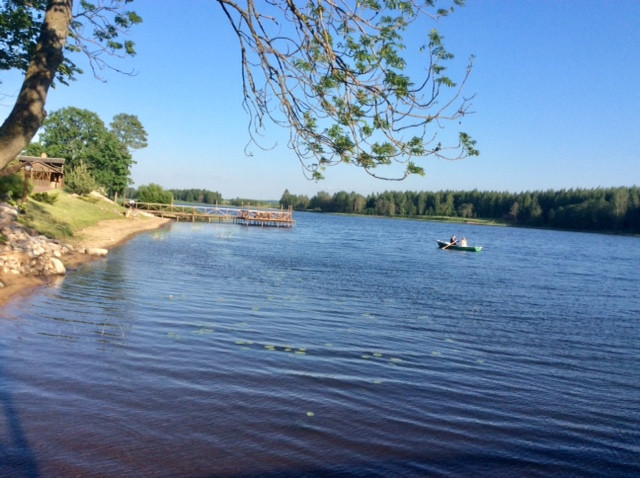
[[46, 173]]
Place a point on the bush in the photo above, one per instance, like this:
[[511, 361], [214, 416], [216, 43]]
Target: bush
[[155, 194], [11, 187], [80, 181], [44, 197]]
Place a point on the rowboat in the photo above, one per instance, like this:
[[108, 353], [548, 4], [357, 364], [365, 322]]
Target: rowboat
[[445, 244]]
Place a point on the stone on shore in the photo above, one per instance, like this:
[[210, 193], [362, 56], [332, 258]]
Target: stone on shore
[[25, 252], [29, 259], [57, 267], [96, 251]]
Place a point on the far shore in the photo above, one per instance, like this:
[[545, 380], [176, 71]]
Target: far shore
[[106, 234]]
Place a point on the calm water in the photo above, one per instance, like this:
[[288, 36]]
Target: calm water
[[343, 347]]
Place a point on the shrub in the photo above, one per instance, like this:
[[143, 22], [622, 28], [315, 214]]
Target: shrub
[[155, 194], [11, 186], [80, 181], [44, 197]]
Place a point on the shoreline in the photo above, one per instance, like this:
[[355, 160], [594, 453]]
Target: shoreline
[[107, 234]]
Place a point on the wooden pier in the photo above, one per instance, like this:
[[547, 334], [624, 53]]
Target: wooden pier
[[242, 216]]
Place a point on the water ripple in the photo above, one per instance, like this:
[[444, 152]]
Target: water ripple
[[328, 350]]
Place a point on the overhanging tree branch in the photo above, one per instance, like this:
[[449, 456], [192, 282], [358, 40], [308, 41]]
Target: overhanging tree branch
[[334, 72]]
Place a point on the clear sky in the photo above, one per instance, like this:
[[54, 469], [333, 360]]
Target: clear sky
[[557, 105]]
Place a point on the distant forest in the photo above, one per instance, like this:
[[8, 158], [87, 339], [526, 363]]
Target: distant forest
[[213, 197], [602, 209], [196, 195]]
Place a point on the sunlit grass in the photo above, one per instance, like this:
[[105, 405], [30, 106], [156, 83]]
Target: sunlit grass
[[68, 214]]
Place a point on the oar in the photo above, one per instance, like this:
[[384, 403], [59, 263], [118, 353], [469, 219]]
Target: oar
[[450, 244]]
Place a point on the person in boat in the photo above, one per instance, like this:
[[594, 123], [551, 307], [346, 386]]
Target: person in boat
[[463, 241], [453, 241]]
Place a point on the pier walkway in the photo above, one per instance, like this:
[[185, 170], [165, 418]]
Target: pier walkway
[[215, 213]]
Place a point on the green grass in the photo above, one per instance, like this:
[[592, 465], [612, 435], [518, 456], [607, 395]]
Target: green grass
[[463, 220], [68, 214]]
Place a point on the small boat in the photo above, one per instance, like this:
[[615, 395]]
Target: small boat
[[446, 245]]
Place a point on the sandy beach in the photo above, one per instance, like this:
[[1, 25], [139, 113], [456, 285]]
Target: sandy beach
[[105, 235]]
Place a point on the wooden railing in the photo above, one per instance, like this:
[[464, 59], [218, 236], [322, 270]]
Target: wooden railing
[[243, 216]]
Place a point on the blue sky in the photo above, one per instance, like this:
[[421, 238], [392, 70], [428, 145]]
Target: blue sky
[[557, 105]]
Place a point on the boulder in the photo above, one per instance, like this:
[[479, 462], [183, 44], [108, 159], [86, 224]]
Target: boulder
[[96, 251], [56, 266]]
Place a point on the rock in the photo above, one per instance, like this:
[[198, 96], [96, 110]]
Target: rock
[[38, 251], [27, 252], [8, 211], [96, 251], [57, 267]]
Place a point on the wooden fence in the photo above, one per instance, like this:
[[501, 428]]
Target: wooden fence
[[242, 216]]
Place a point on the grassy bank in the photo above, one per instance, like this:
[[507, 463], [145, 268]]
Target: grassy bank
[[62, 215], [92, 222], [454, 220], [462, 220]]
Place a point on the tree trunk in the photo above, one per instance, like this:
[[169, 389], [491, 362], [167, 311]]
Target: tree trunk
[[29, 110]]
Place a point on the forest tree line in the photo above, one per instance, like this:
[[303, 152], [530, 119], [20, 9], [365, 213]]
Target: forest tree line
[[196, 195], [601, 209], [154, 193]]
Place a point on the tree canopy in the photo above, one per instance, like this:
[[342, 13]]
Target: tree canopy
[[81, 137], [154, 193], [95, 29], [39, 37], [333, 71], [129, 130]]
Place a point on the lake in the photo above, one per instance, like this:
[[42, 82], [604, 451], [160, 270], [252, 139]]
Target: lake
[[345, 346]]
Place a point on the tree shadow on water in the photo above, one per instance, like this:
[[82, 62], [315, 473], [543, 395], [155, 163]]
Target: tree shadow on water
[[16, 457]]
